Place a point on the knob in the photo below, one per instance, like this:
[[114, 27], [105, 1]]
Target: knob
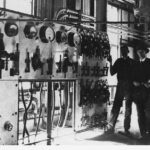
[[8, 126]]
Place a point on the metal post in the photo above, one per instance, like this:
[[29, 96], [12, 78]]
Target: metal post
[[49, 106]]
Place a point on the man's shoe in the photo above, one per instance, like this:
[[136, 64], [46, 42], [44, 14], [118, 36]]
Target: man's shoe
[[125, 133], [109, 129]]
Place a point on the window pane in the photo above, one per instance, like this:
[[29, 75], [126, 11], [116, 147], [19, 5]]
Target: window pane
[[132, 20], [112, 13], [125, 17], [71, 4], [113, 36], [1, 3], [86, 7], [23, 6]]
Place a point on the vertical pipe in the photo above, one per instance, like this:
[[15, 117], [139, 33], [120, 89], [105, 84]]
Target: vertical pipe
[[101, 14], [35, 8], [32, 7], [42, 8], [49, 106], [18, 116], [46, 9], [4, 5], [49, 9], [74, 103]]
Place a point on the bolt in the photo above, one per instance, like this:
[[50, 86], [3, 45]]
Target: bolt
[[8, 126]]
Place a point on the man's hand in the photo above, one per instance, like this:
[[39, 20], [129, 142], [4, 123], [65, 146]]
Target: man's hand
[[136, 84], [110, 59], [147, 84]]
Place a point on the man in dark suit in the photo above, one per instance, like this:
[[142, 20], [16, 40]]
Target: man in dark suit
[[122, 67], [141, 87]]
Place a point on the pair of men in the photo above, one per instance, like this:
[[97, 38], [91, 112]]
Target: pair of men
[[133, 77]]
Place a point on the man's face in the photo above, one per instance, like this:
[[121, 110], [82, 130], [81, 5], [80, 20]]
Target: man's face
[[124, 52], [141, 53]]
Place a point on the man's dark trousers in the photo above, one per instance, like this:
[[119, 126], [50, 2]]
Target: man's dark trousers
[[123, 91], [140, 96]]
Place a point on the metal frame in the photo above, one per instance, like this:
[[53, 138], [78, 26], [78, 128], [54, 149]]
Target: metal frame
[[49, 104]]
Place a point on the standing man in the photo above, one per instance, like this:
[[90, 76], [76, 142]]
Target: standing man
[[122, 67], [141, 78]]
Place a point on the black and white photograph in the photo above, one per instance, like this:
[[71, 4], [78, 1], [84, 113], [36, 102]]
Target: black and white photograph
[[75, 73]]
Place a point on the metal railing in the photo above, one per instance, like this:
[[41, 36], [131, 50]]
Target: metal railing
[[45, 106]]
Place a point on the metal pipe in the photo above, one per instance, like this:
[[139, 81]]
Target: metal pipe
[[49, 106], [96, 22]]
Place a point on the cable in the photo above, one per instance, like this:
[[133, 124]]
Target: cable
[[25, 116]]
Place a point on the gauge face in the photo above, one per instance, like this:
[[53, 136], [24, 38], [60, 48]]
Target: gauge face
[[77, 39], [49, 34], [33, 31], [46, 34], [63, 37], [30, 31], [11, 29]]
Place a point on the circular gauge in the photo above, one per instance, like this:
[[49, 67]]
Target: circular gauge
[[77, 39], [47, 34], [61, 37], [30, 31], [11, 29]]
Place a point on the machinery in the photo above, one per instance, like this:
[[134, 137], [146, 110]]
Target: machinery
[[47, 70]]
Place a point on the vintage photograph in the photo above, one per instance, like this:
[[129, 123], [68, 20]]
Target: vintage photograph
[[74, 72]]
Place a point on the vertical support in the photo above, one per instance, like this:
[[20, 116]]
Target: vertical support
[[4, 4], [18, 114], [49, 106], [35, 8], [42, 9], [32, 7], [101, 14], [74, 104], [49, 9]]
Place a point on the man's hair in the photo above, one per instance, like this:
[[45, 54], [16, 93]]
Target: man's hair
[[124, 47], [142, 46]]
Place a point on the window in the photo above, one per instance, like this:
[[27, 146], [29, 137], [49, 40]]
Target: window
[[89, 7], [125, 17], [1, 3], [24, 6], [112, 13], [92, 6]]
